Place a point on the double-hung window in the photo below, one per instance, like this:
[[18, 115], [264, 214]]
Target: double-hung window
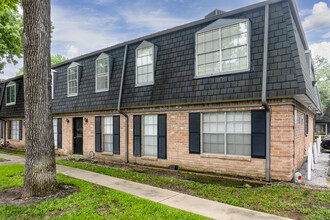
[[11, 93], [55, 131], [107, 134], [14, 130], [149, 139], [145, 61], [102, 73], [227, 133], [73, 79], [223, 47]]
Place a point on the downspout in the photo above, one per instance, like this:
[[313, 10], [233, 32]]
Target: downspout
[[264, 92], [4, 127], [119, 103], [294, 140]]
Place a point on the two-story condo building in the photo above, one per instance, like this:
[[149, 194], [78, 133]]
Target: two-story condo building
[[232, 93]]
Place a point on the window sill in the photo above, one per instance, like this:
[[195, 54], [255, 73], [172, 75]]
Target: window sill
[[226, 157], [222, 74], [149, 158], [9, 104], [144, 84], [107, 154], [103, 90]]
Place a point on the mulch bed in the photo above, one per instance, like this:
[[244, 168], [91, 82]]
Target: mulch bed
[[13, 196]]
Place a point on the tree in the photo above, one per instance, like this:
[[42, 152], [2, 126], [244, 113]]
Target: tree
[[40, 167], [55, 59], [10, 33], [322, 73]]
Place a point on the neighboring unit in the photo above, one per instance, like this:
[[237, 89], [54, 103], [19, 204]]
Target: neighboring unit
[[232, 93]]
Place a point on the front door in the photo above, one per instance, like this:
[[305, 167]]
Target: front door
[[78, 136]]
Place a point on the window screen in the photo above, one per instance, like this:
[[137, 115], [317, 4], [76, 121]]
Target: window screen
[[14, 130], [102, 74], [55, 131], [144, 66], [227, 133], [149, 139], [107, 134]]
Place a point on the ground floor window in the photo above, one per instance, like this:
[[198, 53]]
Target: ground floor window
[[107, 134], [14, 130], [227, 133], [149, 138], [55, 131]]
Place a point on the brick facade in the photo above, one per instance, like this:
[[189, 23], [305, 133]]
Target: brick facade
[[15, 142], [283, 134]]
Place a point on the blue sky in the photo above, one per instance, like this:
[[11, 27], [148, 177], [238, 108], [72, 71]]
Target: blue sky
[[83, 26]]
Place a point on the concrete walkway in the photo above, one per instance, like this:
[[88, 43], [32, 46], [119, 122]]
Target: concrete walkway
[[10, 159], [177, 200]]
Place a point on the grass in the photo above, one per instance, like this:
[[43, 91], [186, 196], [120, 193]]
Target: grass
[[92, 202], [283, 200], [2, 160], [12, 152]]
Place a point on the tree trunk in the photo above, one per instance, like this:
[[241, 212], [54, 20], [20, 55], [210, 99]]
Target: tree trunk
[[40, 166]]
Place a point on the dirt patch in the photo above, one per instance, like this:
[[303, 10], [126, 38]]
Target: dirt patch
[[13, 196], [203, 178]]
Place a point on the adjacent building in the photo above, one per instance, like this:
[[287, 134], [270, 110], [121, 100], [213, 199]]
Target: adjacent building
[[232, 93]]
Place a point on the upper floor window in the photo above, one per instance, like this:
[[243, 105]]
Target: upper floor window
[[53, 83], [102, 73], [145, 61], [73, 79], [223, 47], [11, 93]]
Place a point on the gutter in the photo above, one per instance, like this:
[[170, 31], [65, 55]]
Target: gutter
[[264, 92], [119, 103]]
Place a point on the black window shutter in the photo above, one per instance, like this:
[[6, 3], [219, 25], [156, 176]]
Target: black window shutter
[[161, 138], [116, 134], [137, 135], [258, 136], [1, 129], [20, 130], [59, 133], [98, 133], [8, 130], [306, 124], [194, 132]]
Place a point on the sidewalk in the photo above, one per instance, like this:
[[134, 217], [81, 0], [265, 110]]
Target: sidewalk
[[173, 199]]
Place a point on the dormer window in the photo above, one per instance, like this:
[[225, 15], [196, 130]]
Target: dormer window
[[73, 79], [11, 93], [145, 62], [223, 47], [102, 77]]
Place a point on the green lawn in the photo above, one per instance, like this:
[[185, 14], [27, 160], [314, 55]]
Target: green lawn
[[12, 152], [295, 202], [92, 202], [2, 160]]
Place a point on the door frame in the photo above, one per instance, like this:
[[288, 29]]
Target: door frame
[[73, 135]]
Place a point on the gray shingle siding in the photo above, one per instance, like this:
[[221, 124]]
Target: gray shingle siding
[[174, 81], [16, 110]]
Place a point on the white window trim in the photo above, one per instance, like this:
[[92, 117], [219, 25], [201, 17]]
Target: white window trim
[[225, 72], [153, 64], [11, 130], [53, 84], [101, 57], [55, 132], [102, 134], [10, 85], [225, 139], [142, 137], [73, 65]]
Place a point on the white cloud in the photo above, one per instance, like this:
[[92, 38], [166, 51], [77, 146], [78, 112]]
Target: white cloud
[[327, 35], [10, 70], [83, 29], [321, 49], [320, 16], [72, 51], [154, 20], [305, 12]]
